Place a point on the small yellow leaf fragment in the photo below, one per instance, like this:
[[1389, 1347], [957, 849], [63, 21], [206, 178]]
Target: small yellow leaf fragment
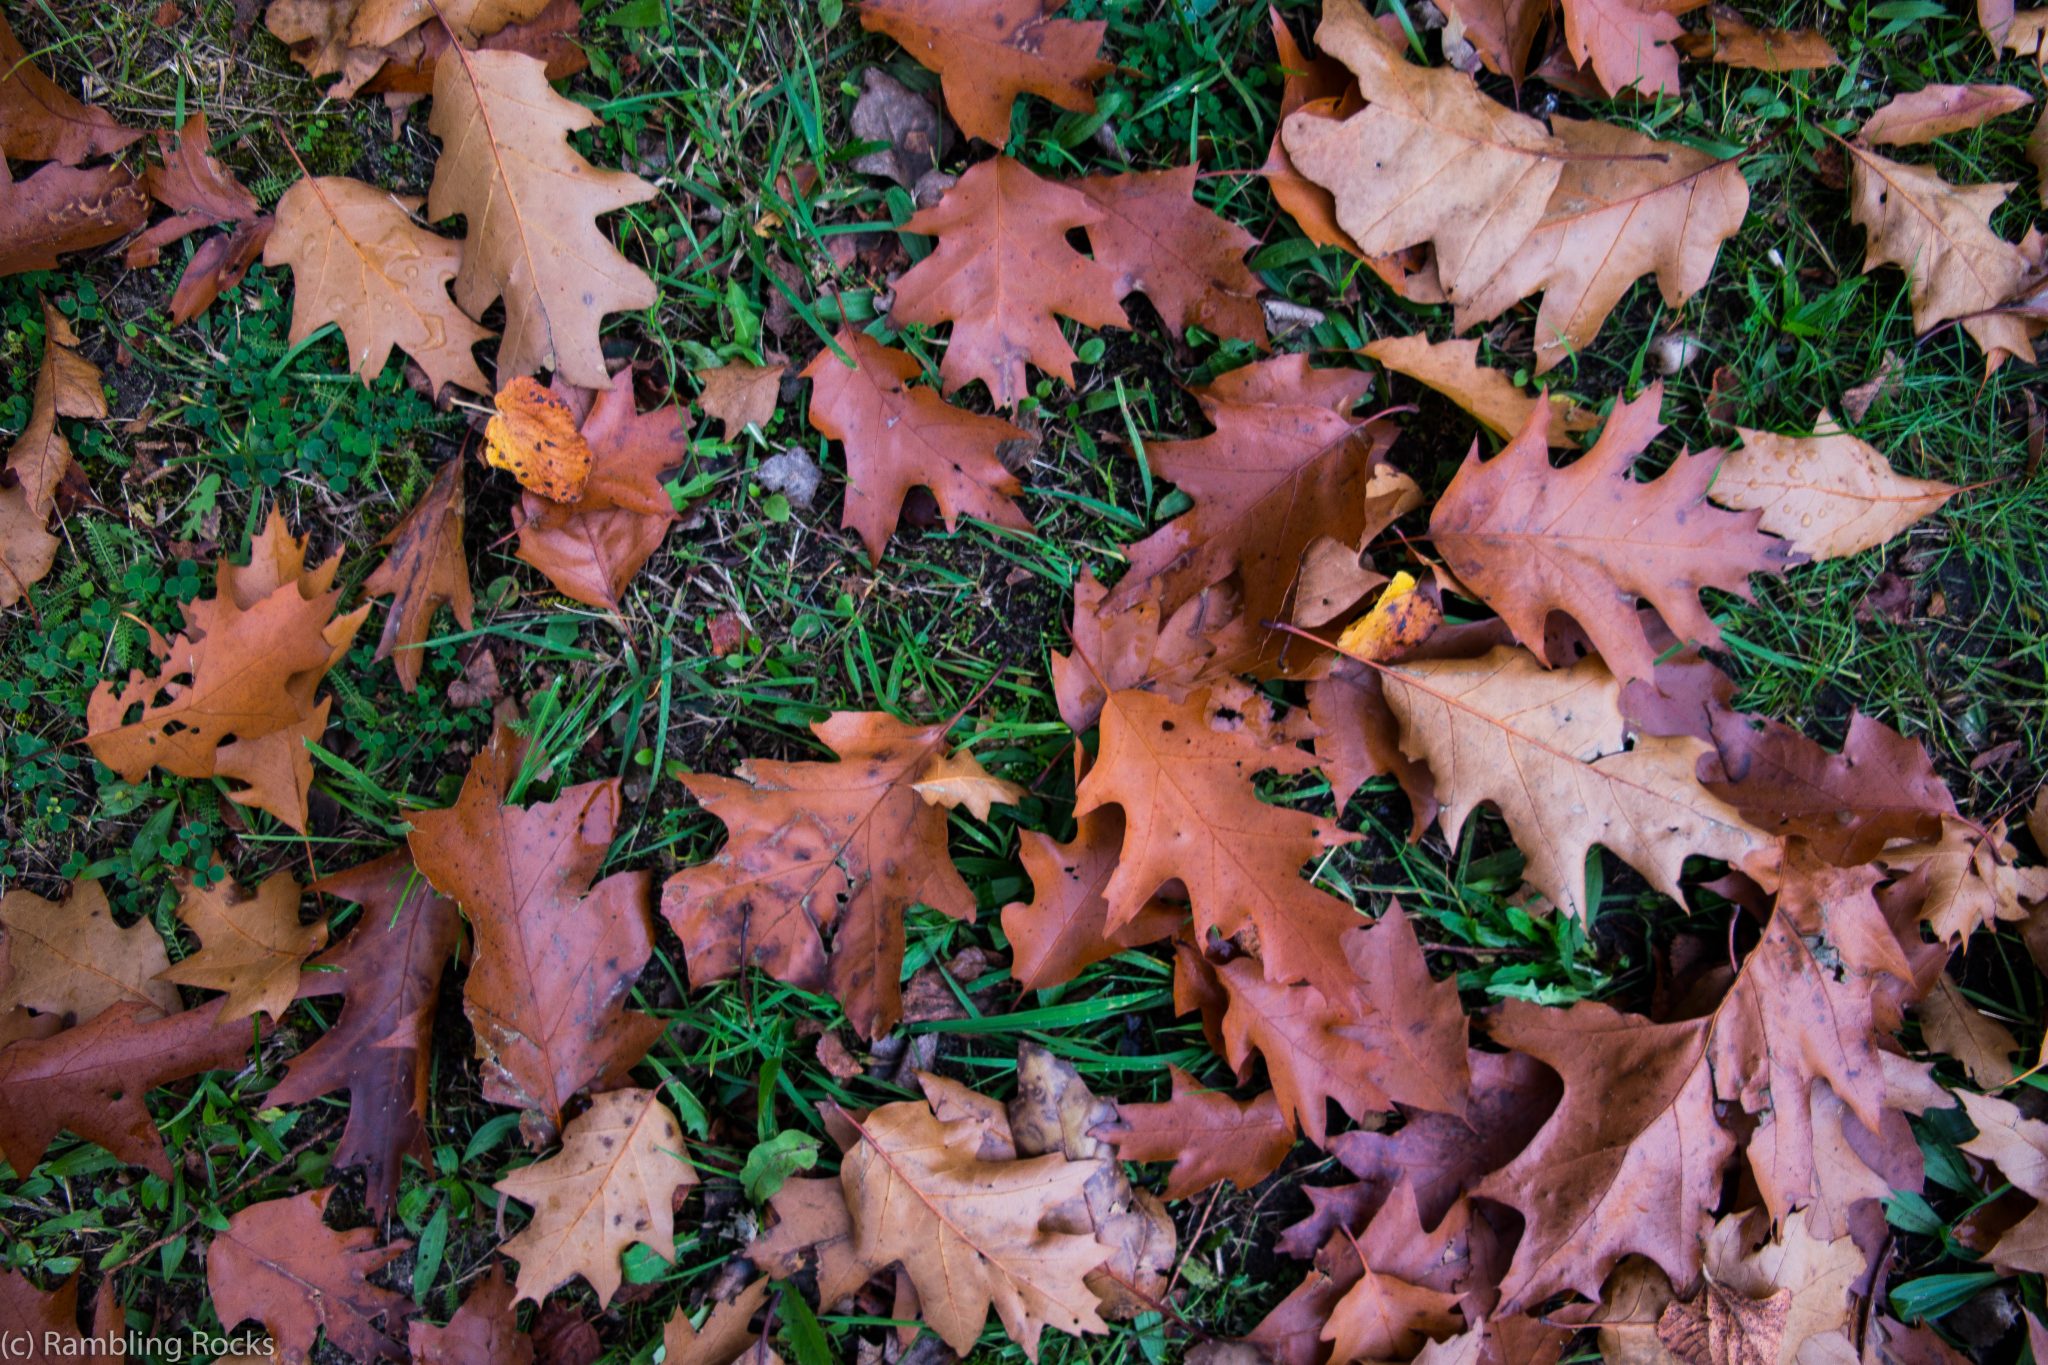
[[534, 438], [960, 780], [1402, 619]]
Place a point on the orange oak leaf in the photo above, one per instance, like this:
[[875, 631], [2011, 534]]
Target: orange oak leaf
[[484, 1331], [534, 435], [40, 121], [727, 1334], [380, 23], [233, 695], [554, 955], [66, 208], [842, 847], [44, 1325], [1588, 540], [1115, 650], [1183, 775], [1502, 32], [389, 971], [899, 436], [92, 1079], [192, 183], [358, 260], [612, 1184], [278, 1263], [1285, 468], [426, 568], [1065, 926], [971, 1233], [988, 52], [67, 385], [1003, 274], [70, 958], [740, 395], [532, 204], [1308, 1062], [250, 946], [1410, 1023], [1207, 1135], [410, 63], [592, 549], [1189, 261]]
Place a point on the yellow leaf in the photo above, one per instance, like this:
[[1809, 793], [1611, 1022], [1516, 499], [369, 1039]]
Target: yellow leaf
[[534, 437]]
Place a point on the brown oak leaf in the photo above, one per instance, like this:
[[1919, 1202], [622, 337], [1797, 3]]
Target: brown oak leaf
[[1207, 1135], [66, 208], [970, 1233], [532, 204], [70, 958], [1183, 775], [278, 1263], [1189, 261], [988, 52], [2018, 1146], [43, 1325], [1588, 540], [1065, 926], [426, 568], [40, 121], [1733, 41], [380, 23], [842, 847], [1628, 44], [899, 436], [554, 955], [1828, 495], [358, 260], [1452, 368], [92, 1079], [613, 1184], [1308, 1062], [740, 395], [484, 1331], [389, 970], [67, 385], [1003, 275], [250, 945], [1933, 111]]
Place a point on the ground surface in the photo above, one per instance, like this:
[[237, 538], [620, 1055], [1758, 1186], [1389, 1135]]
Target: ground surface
[[217, 421]]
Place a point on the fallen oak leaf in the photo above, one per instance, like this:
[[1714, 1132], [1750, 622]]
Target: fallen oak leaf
[[43, 1325], [740, 395], [1549, 749], [612, 1184], [988, 52], [67, 385], [532, 204], [899, 436], [380, 23], [66, 208], [726, 1335], [426, 568], [1208, 1136], [358, 260], [1934, 111], [1187, 260], [1952, 1025], [278, 1263], [1829, 495], [555, 954], [233, 696], [484, 1330], [1588, 540], [1627, 44], [1003, 274], [2018, 1146], [409, 65], [195, 186], [92, 1079], [957, 779], [1452, 368], [1402, 618], [1502, 32], [1941, 236], [70, 958], [1624, 206], [845, 846], [1732, 40], [1065, 926], [250, 945], [389, 971], [969, 1232], [40, 121]]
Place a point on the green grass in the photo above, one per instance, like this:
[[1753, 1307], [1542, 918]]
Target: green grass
[[719, 103]]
